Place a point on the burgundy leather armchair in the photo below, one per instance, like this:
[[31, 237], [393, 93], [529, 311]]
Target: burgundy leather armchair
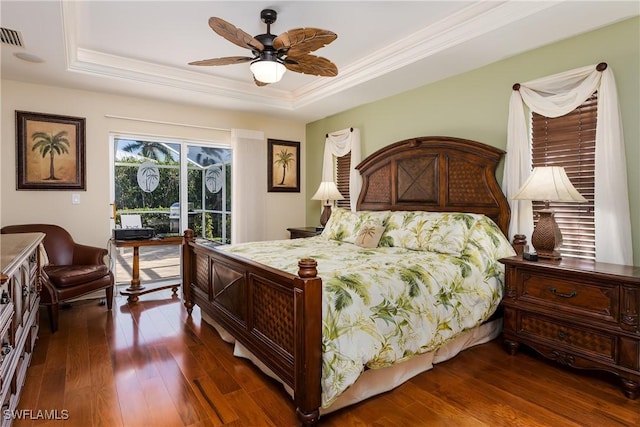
[[73, 269]]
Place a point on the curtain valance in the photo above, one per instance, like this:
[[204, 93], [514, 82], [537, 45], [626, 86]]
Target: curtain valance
[[554, 96], [338, 144]]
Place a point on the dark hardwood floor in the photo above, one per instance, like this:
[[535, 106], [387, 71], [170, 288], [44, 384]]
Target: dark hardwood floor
[[148, 364]]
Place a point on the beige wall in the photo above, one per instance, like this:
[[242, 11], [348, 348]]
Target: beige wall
[[474, 105], [89, 221]]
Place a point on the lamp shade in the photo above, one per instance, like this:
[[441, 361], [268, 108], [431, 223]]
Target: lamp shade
[[549, 184], [327, 191], [267, 70]]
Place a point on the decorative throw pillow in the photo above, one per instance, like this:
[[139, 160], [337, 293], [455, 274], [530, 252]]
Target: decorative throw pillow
[[344, 225], [369, 236]]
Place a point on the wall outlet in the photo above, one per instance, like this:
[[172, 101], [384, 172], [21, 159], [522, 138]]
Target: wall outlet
[[75, 199]]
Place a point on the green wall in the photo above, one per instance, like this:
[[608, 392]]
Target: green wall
[[474, 105]]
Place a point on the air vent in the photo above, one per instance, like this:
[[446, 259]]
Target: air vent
[[11, 37]]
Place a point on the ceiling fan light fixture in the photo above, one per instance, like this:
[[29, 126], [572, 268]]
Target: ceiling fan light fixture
[[267, 70], [274, 55]]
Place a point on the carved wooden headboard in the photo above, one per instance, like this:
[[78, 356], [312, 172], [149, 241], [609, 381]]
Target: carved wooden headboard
[[435, 173]]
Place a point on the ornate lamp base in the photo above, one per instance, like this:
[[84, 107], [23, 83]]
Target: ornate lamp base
[[546, 237], [326, 213]]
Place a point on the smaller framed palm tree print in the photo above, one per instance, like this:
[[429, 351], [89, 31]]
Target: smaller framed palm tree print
[[283, 166], [50, 152]]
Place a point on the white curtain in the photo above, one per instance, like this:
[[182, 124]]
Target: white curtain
[[249, 186], [338, 144], [554, 96]]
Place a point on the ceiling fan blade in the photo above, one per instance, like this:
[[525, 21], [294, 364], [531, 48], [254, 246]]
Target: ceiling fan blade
[[311, 64], [234, 34], [228, 60], [301, 41]]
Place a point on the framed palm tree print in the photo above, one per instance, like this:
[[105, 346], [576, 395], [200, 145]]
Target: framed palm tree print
[[283, 166], [50, 152]]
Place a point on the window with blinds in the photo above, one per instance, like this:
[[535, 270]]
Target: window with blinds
[[343, 165], [570, 141]]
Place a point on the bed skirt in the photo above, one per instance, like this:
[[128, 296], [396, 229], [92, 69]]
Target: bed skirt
[[376, 381]]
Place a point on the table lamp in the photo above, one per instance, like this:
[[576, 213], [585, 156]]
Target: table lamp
[[548, 184], [327, 192]]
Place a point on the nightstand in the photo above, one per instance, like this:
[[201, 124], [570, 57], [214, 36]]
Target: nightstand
[[299, 232], [579, 313]]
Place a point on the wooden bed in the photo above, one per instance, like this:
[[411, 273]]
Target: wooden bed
[[277, 316]]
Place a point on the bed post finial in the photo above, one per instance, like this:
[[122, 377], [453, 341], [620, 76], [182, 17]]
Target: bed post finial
[[187, 259], [307, 268], [519, 242], [188, 235]]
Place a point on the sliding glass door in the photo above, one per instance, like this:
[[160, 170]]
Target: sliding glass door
[[168, 186], [209, 192]]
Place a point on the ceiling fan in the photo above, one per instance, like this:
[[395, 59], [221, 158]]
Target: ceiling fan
[[273, 55]]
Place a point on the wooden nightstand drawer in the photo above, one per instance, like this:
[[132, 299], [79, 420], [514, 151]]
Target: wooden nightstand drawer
[[583, 298], [302, 232], [588, 342], [584, 314]]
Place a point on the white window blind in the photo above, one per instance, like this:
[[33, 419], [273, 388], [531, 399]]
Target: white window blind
[[343, 169], [570, 141]]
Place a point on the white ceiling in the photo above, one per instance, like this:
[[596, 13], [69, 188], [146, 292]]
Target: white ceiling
[[142, 48]]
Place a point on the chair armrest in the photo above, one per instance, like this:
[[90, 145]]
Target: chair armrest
[[88, 255]]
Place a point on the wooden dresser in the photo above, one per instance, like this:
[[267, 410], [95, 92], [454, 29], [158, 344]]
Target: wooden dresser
[[19, 300], [579, 313]]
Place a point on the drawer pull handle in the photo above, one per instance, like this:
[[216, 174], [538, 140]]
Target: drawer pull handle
[[563, 335], [560, 294]]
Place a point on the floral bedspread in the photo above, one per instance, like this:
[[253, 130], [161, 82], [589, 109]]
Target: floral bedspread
[[384, 305]]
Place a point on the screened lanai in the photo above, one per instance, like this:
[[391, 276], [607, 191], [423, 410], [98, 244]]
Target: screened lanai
[[154, 186]]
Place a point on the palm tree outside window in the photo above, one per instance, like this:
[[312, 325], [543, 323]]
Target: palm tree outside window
[[149, 181]]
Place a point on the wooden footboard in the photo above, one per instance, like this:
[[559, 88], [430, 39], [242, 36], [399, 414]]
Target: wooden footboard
[[276, 315]]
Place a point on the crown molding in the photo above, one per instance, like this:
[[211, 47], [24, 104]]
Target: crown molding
[[467, 24], [96, 63], [473, 21]]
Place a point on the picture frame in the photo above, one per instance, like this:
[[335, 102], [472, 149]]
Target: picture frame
[[50, 152], [283, 169]]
